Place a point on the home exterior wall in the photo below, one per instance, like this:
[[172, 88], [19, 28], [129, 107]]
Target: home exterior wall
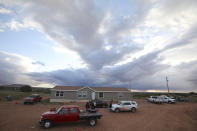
[[114, 96], [68, 96], [72, 96], [89, 94]]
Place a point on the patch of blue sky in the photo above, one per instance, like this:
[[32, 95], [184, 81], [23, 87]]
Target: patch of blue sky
[[35, 45], [118, 7]]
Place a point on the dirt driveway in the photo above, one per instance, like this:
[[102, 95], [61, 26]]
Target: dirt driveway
[[149, 117]]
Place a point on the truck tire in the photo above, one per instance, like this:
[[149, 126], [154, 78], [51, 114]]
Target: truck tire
[[117, 110], [92, 121], [133, 109], [47, 124]]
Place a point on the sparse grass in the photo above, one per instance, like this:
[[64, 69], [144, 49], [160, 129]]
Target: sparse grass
[[192, 98], [16, 95]]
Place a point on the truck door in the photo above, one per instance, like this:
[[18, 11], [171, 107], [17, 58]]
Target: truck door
[[73, 114], [63, 115]]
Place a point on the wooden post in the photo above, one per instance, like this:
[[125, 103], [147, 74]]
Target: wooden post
[[167, 85]]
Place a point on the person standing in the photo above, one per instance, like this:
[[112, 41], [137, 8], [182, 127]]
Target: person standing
[[87, 106], [94, 104], [110, 104]]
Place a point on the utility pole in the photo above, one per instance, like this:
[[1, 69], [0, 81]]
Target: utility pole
[[131, 88], [167, 84]]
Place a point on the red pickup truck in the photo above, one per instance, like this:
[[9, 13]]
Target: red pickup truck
[[32, 99], [68, 113]]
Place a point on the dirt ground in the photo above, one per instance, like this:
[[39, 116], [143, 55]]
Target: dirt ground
[[149, 117]]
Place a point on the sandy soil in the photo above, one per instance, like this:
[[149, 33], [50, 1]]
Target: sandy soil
[[149, 117]]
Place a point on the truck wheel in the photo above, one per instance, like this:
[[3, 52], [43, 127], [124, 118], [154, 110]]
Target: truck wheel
[[117, 110], [169, 102], [133, 109], [47, 124], [92, 122]]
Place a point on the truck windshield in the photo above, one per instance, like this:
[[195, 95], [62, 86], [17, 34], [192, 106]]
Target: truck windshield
[[58, 109]]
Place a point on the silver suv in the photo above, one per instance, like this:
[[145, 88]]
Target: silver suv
[[124, 106]]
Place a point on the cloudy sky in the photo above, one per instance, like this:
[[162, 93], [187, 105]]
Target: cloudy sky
[[131, 43]]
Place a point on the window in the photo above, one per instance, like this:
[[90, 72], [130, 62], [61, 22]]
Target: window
[[73, 110], [127, 103], [82, 94], [63, 111], [120, 95], [101, 95], [59, 93]]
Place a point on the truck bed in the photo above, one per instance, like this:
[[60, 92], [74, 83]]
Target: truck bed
[[86, 115]]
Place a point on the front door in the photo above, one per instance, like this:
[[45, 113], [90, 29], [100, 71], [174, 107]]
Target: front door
[[93, 95]]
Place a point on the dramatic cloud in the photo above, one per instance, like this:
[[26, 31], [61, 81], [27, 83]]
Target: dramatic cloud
[[5, 11], [14, 69], [118, 42]]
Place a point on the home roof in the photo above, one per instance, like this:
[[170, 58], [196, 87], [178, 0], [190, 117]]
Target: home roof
[[75, 88]]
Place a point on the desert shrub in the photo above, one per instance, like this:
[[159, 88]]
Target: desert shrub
[[26, 88], [16, 95]]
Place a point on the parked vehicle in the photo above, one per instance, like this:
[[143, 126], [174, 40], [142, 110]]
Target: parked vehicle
[[151, 98], [166, 99], [158, 100], [161, 99], [124, 106], [99, 103], [68, 113], [181, 99], [32, 99]]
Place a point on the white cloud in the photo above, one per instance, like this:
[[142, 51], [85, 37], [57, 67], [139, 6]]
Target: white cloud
[[14, 69], [27, 23], [24, 64], [5, 11]]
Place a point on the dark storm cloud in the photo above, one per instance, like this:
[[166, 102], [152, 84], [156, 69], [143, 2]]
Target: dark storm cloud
[[38, 63], [116, 76], [189, 70]]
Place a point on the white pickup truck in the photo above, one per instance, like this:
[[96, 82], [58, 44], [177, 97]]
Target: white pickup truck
[[155, 99], [124, 106], [161, 99], [167, 99]]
